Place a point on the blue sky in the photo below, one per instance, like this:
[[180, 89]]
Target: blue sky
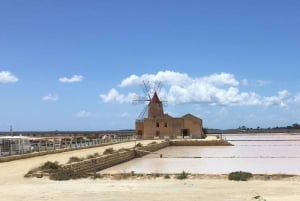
[[77, 65]]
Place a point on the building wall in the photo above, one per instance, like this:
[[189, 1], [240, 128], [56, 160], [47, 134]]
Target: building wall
[[170, 127], [176, 125], [155, 110], [194, 125], [156, 127], [139, 126]]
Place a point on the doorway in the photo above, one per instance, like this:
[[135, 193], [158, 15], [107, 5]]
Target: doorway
[[185, 132]]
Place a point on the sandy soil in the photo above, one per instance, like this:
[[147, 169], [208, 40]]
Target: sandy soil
[[14, 187]]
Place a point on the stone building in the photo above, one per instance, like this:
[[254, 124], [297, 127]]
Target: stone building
[[160, 125]]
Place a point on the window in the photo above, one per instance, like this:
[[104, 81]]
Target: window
[[166, 124], [157, 124]]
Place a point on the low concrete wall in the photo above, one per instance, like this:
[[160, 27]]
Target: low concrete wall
[[106, 161], [199, 143], [102, 162], [151, 148]]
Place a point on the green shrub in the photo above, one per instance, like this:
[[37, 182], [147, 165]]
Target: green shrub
[[49, 166], [96, 155], [97, 176], [29, 173], [67, 174], [167, 176], [259, 198], [108, 151], [239, 176], [123, 150], [138, 145], [90, 156], [182, 175], [152, 143], [74, 159]]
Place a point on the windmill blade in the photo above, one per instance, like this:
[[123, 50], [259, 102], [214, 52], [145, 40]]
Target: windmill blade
[[158, 86], [165, 103], [140, 100], [143, 113], [146, 88]]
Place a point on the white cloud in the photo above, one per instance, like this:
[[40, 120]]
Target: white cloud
[[83, 114], [297, 98], [114, 95], [74, 78], [221, 79], [280, 99], [166, 77], [130, 80], [216, 89], [7, 77], [50, 97]]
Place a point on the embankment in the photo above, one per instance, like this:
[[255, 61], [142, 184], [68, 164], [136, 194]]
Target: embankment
[[199, 143], [105, 161]]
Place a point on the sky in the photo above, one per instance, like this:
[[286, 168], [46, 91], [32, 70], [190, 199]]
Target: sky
[[78, 65]]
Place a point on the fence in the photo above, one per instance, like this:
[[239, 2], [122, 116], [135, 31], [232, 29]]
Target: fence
[[21, 145]]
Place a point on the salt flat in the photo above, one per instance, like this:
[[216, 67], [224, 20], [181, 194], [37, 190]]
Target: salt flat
[[14, 187]]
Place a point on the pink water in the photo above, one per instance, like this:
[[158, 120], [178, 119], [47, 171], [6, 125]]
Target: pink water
[[271, 154]]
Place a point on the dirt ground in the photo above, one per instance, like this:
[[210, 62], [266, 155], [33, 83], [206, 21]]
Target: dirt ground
[[14, 187]]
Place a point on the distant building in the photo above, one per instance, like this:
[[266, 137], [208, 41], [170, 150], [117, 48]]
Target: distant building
[[160, 125]]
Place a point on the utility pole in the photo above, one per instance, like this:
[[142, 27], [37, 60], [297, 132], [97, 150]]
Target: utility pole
[[11, 131]]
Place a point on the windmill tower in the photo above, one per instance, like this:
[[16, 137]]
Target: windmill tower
[[154, 107]]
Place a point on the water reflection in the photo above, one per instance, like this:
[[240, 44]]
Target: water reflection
[[262, 154]]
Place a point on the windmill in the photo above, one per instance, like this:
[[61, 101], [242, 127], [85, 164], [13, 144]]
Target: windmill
[[154, 107]]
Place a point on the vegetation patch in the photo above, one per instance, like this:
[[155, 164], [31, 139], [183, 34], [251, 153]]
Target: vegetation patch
[[97, 176], [240, 176], [67, 174], [95, 155], [31, 172], [122, 176], [152, 143], [55, 172], [74, 159], [50, 166], [167, 176], [123, 150], [138, 145], [109, 151], [182, 175], [156, 175], [259, 198]]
